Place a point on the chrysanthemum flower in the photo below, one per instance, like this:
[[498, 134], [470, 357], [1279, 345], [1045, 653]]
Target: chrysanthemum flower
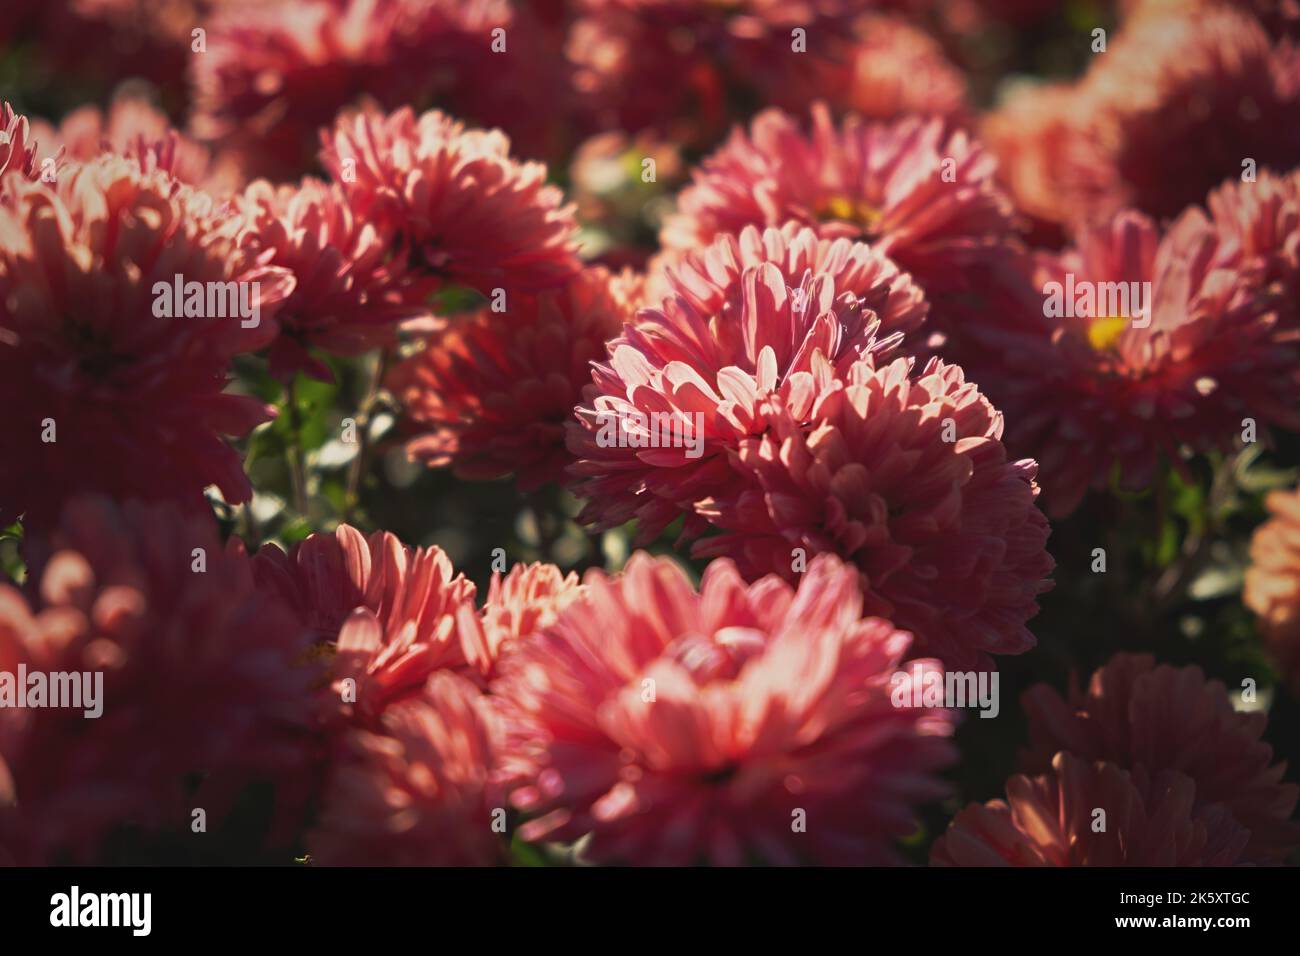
[[417, 793], [17, 148], [464, 211], [527, 600], [1052, 820], [104, 389], [743, 320], [491, 392], [273, 75], [410, 741], [1259, 225], [1273, 582], [1139, 715], [1088, 391], [350, 294], [388, 609], [740, 721], [903, 475], [1035, 134], [922, 196], [1178, 102], [893, 70], [673, 67], [135, 128], [201, 673]]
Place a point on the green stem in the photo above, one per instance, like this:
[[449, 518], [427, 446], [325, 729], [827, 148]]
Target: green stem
[[1173, 583], [369, 402], [297, 466]]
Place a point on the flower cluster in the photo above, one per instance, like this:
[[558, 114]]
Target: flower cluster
[[478, 432]]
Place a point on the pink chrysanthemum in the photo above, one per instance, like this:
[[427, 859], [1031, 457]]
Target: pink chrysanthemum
[[903, 475], [1034, 133], [1259, 225], [743, 320], [135, 128], [893, 70], [1051, 820], [95, 379], [463, 209], [388, 609], [676, 726], [673, 67], [1160, 718], [17, 147], [350, 293], [1273, 582], [527, 600], [491, 392], [200, 672], [410, 741], [1181, 101], [1089, 392], [417, 793], [1177, 103], [273, 75], [920, 195]]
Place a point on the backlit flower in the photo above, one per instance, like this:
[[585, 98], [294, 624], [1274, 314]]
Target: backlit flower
[[1131, 347], [732, 723], [903, 474], [462, 209], [387, 610], [1140, 715], [920, 194], [418, 792], [108, 385], [1053, 820], [491, 392], [1273, 582], [527, 600], [201, 674], [350, 294], [743, 320]]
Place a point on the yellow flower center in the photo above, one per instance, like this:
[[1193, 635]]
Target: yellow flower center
[[852, 210], [1104, 332]]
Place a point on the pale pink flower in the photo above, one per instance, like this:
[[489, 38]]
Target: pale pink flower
[[742, 320], [903, 474], [418, 792], [918, 193], [736, 722], [463, 210]]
